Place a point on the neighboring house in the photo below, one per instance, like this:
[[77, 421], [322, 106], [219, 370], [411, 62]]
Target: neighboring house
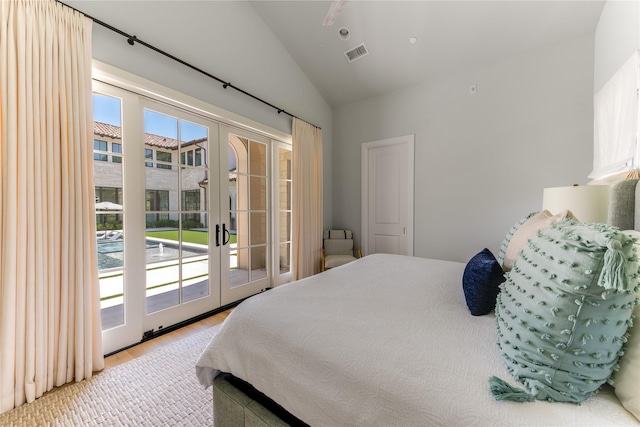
[[163, 158]]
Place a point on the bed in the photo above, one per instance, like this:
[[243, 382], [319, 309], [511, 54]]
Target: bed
[[386, 340]]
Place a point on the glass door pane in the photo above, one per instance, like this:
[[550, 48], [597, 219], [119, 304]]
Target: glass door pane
[[177, 236], [248, 214], [109, 198], [194, 235], [162, 192], [284, 200]]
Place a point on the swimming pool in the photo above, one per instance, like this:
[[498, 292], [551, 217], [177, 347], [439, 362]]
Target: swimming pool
[[111, 253], [111, 246]]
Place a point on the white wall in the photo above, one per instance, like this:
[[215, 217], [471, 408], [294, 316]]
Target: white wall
[[226, 39], [481, 160], [617, 37]]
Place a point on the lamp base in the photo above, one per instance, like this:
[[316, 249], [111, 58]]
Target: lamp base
[[634, 174]]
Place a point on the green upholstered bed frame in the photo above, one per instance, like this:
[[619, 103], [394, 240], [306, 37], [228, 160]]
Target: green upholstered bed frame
[[237, 404]]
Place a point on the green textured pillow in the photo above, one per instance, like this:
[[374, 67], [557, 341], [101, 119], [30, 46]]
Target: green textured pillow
[[563, 312]]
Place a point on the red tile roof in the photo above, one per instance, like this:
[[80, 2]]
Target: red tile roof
[[115, 132], [104, 129]]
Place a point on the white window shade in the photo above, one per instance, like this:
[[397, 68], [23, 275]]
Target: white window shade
[[616, 121]]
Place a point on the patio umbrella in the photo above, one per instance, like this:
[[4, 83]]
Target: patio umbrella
[[108, 206]]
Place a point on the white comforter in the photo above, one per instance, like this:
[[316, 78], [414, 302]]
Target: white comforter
[[383, 341]]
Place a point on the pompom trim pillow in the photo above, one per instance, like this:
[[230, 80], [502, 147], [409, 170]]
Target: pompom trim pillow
[[481, 282], [563, 312]]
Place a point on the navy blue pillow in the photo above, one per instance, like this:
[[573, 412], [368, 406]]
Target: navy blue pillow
[[481, 282]]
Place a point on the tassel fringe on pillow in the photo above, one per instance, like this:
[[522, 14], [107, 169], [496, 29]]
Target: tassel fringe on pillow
[[503, 391]]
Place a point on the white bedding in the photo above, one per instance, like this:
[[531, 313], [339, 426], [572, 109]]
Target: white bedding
[[383, 341]]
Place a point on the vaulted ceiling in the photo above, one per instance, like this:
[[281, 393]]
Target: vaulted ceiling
[[449, 36]]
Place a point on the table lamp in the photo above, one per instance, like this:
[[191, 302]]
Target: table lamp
[[588, 203]]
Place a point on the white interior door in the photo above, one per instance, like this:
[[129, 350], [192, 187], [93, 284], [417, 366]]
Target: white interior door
[[387, 196]]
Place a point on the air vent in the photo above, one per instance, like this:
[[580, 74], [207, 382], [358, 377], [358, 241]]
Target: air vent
[[357, 52]]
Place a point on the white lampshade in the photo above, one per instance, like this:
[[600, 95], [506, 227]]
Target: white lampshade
[[588, 203]]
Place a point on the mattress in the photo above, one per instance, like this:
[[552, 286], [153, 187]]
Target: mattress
[[384, 340]]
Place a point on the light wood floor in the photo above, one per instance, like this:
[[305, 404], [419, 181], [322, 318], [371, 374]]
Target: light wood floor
[[162, 340]]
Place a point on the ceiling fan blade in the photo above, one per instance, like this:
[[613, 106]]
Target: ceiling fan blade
[[334, 11]]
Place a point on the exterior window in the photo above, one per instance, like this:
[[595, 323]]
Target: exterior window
[[191, 200], [157, 200], [191, 157], [148, 154], [163, 156], [99, 145], [186, 158], [107, 219], [116, 148], [109, 194]]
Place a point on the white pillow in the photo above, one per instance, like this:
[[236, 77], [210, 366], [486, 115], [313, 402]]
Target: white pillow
[[627, 379], [539, 221]]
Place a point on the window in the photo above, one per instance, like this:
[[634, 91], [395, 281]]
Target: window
[[616, 123], [157, 200], [163, 156], [148, 154], [107, 219], [191, 157], [109, 194], [191, 202], [99, 145], [116, 148]]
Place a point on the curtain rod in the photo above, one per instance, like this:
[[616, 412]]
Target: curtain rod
[[133, 40]]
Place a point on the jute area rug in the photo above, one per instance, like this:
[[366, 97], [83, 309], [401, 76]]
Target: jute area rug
[[159, 388]]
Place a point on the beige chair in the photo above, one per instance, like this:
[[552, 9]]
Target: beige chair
[[338, 249]]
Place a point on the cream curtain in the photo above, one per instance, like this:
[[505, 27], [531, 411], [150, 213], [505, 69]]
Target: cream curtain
[[50, 330], [307, 199]]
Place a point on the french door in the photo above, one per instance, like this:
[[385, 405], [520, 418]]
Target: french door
[[245, 181], [182, 212]]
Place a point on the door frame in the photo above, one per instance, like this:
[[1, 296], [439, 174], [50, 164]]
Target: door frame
[[407, 140]]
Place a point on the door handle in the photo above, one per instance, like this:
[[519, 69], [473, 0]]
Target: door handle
[[217, 234], [226, 234]]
